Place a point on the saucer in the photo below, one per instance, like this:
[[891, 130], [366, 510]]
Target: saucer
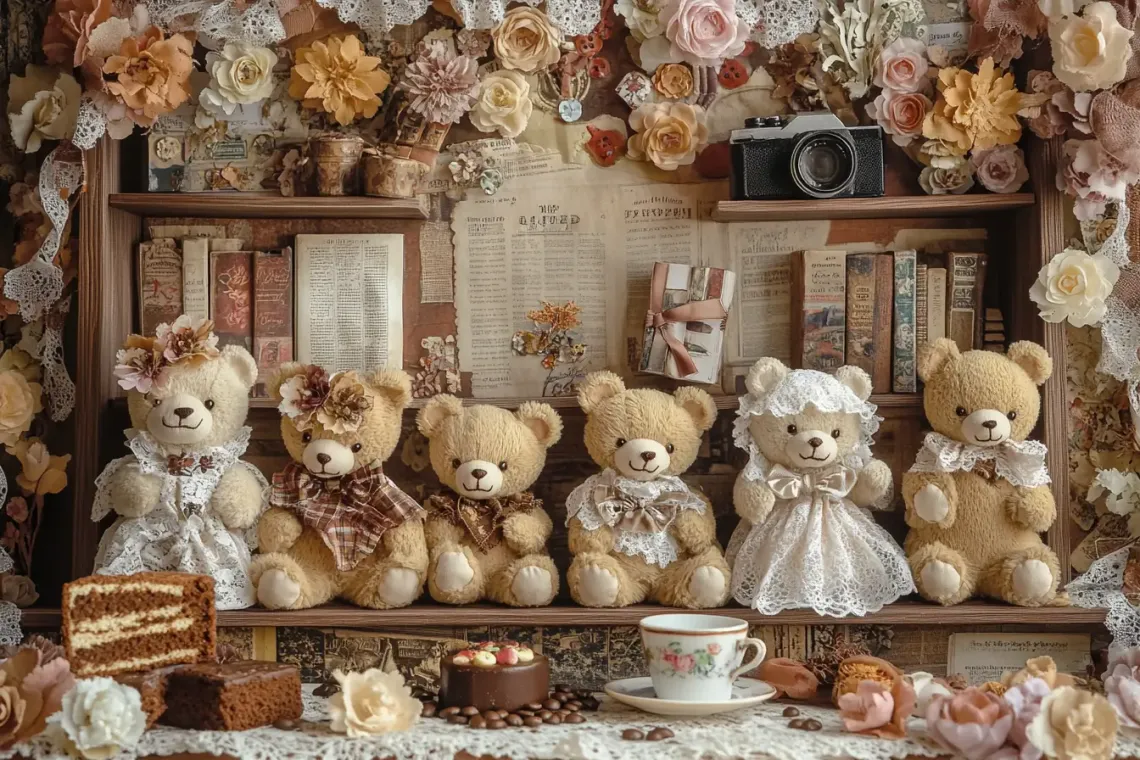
[[639, 693]]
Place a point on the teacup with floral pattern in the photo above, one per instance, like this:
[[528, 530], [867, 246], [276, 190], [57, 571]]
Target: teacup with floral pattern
[[695, 658]]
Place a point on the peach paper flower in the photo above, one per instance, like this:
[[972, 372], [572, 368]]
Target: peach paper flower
[[972, 723], [42, 105], [704, 32], [1074, 725], [151, 75], [900, 114], [41, 473], [668, 134], [372, 702], [31, 689], [1043, 667], [336, 77], [878, 710], [1025, 701], [975, 110], [673, 81], [502, 103], [903, 66], [69, 27], [20, 401], [526, 40], [788, 677]]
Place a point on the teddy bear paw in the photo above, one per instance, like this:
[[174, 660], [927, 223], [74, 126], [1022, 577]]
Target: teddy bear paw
[[277, 591], [597, 586], [399, 587], [532, 586], [930, 504], [1032, 581], [940, 580], [706, 586], [453, 572]]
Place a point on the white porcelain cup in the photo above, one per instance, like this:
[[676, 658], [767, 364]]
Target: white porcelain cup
[[695, 658]]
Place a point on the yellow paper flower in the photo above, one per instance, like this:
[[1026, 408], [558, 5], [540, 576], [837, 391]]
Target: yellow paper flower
[[151, 75], [673, 80], [42, 472], [21, 360], [975, 110], [20, 401], [1074, 725], [668, 134], [336, 77]]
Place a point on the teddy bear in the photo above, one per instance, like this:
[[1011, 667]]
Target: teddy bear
[[637, 531], [337, 526], [978, 496], [486, 533], [806, 538], [185, 501]]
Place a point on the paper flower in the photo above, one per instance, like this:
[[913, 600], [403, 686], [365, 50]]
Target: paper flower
[[1122, 687], [1055, 9], [138, 364], [877, 709], [1073, 287], [473, 42], [673, 81], [372, 702], [903, 66], [150, 75], [642, 17], [852, 671], [20, 590], [98, 718], [334, 76], [31, 688], [975, 110], [303, 393], [187, 340], [1090, 175], [343, 409], [1000, 169], [971, 723], [526, 40], [41, 472], [502, 103], [704, 32], [20, 401], [1090, 51], [442, 85], [926, 687], [68, 27], [668, 134], [1025, 702], [1074, 725], [240, 74], [42, 105], [1001, 43], [788, 677], [951, 176], [900, 114], [1121, 491], [1050, 119]]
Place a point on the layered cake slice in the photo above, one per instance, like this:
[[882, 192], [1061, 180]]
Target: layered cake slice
[[121, 623]]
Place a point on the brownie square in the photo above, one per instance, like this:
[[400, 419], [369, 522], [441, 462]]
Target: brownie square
[[233, 696], [151, 686]]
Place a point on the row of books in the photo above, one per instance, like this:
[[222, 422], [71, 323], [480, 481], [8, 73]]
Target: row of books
[[873, 310]]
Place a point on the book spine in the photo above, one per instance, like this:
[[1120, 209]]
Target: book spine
[[231, 298], [980, 298], [920, 305], [272, 313], [796, 333], [861, 296], [935, 303], [962, 295], [884, 313], [904, 360], [823, 316], [196, 278], [160, 283]]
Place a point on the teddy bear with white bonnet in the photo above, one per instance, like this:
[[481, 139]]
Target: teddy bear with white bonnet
[[185, 500], [807, 539]]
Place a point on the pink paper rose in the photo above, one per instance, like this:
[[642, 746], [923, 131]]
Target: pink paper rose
[[903, 66], [704, 32], [900, 114], [1122, 687], [1025, 701], [869, 707], [972, 723], [1000, 169]]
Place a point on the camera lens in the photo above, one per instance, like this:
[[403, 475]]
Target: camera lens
[[823, 163]]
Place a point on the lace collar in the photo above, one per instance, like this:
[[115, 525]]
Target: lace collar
[[1022, 463]]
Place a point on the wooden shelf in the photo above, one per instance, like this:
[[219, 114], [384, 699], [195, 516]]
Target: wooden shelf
[[268, 206], [871, 208]]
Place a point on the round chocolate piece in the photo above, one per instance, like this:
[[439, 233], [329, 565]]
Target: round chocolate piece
[[552, 704], [496, 724], [659, 733], [458, 720], [574, 718], [493, 677], [790, 712], [429, 709], [554, 720], [447, 712], [514, 720], [286, 724], [477, 721], [632, 734], [532, 721]]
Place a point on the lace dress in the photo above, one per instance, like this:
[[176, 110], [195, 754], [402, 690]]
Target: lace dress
[[817, 550], [181, 533]]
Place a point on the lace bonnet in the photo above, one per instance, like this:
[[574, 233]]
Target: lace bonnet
[[790, 392]]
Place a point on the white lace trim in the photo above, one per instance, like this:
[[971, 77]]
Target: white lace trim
[[779, 22], [1120, 328], [658, 548], [9, 613], [90, 124], [1022, 463], [1102, 587]]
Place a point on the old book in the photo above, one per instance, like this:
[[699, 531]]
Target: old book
[[196, 278], [226, 244], [966, 272], [905, 380], [935, 303], [819, 301], [231, 297], [868, 337], [920, 305], [272, 313], [160, 283], [349, 296], [993, 314], [993, 337]]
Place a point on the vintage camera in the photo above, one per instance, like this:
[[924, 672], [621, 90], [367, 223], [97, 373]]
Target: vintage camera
[[808, 155]]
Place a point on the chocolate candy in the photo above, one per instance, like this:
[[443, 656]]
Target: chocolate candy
[[469, 711], [791, 712], [658, 734], [554, 720], [536, 706], [552, 704], [544, 714], [286, 724], [327, 689], [447, 712], [574, 718], [532, 721], [514, 720], [458, 720], [632, 734], [496, 724], [477, 721], [811, 724], [429, 709]]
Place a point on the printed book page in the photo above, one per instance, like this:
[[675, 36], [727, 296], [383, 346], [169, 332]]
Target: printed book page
[[983, 657], [349, 301]]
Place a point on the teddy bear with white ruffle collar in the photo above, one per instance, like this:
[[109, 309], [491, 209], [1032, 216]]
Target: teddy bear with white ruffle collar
[[806, 539]]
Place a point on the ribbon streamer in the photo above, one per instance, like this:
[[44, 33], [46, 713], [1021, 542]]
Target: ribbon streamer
[[662, 319]]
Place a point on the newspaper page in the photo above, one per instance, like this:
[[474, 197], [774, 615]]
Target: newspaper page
[[983, 657], [437, 266], [349, 298]]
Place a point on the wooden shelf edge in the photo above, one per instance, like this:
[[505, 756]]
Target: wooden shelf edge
[[268, 206], [871, 208]]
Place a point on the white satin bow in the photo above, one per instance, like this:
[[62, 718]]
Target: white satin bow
[[787, 484]]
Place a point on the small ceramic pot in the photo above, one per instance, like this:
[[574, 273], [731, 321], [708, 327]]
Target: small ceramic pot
[[338, 164], [390, 176]]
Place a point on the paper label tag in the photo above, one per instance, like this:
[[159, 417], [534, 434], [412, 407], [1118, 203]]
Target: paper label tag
[[983, 657], [953, 36]]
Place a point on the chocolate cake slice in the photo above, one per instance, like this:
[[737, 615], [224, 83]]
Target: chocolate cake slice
[[232, 696], [122, 623], [151, 686]]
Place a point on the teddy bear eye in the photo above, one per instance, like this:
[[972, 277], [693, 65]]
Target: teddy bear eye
[[156, 401], [209, 403], [961, 411], [306, 437], [1012, 416], [620, 442], [835, 433], [792, 429], [455, 464], [668, 448], [503, 466], [357, 447]]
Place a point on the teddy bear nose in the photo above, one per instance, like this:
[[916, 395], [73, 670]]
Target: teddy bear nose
[[324, 458], [989, 424], [479, 474], [648, 455], [815, 443], [183, 412]]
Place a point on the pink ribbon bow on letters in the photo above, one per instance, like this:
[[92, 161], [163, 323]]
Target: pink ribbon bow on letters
[[692, 311]]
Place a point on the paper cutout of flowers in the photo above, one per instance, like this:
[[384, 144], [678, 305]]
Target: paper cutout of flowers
[[526, 40], [1044, 668], [1074, 724], [856, 669], [41, 472], [343, 410], [1073, 287], [1025, 701], [32, 687], [554, 341], [903, 66], [1092, 177], [334, 76], [98, 718], [1090, 51], [926, 688], [142, 360], [371, 703], [240, 75], [1122, 687], [502, 103], [150, 75], [42, 105], [442, 85], [975, 110], [303, 393], [972, 723], [668, 134]]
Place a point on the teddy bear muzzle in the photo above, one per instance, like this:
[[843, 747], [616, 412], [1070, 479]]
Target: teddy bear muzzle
[[478, 479], [811, 448], [180, 419], [986, 427], [642, 459], [326, 458]]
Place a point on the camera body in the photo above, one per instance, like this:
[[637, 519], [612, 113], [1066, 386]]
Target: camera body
[[806, 155]]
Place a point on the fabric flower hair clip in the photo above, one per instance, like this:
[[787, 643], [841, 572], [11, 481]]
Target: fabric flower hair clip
[[338, 402], [142, 363]]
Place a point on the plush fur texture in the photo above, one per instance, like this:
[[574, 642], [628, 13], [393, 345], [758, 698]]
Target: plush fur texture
[[216, 393], [482, 452], [809, 440], [621, 426], [296, 569], [969, 535]]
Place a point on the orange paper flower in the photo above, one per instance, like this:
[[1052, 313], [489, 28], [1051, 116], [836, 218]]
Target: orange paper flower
[[151, 75], [975, 110], [336, 77], [68, 28]]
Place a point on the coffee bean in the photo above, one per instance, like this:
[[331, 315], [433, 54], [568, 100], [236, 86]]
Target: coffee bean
[[563, 696], [575, 702], [477, 721], [458, 720], [590, 703], [658, 734], [552, 704], [791, 712], [574, 718], [563, 712], [811, 724], [429, 709], [447, 712], [554, 720], [286, 724], [572, 706], [469, 711], [796, 723], [544, 714], [536, 706], [562, 687], [327, 689], [525, 713], [491, 715], [532, 721], [632, 734], [514, 720], [497, 724]]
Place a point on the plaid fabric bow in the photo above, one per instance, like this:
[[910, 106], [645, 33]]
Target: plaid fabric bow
[[351, 513], [636, 514], [482, 519]]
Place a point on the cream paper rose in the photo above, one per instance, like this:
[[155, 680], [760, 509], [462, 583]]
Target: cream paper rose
[[1054, 9], [20, 401], [525, 40], [372, 702], [42, 105], [668, 134], [949, 176], [1074, 725], [1090, 51], [98, 718], [502, 103], [1073, 287], [240, 74], [642, 17]]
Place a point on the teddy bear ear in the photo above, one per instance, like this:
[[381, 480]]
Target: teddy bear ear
[[542, 420], [856, 379], [392, 384], [934, 356], [242, 363], [697, 404], [437, 411], [596, 388], [284, 372], [1032, 358], [764, 375]]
